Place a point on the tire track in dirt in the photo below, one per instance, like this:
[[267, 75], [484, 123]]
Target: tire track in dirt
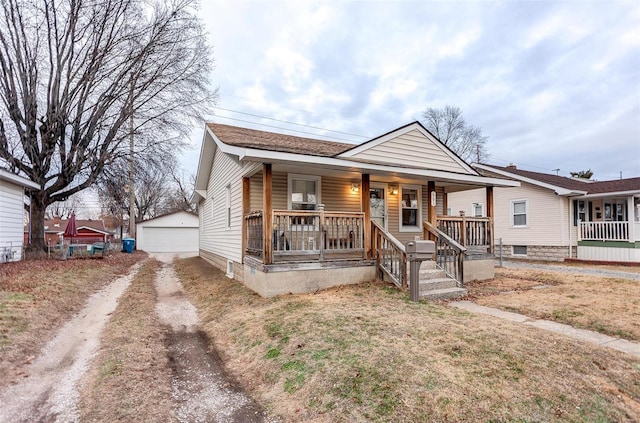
[[49, 392], [202, 390]]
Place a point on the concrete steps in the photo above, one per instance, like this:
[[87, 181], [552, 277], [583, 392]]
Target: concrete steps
[[436, 285]]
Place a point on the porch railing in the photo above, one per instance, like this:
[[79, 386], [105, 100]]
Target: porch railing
[[473, 233], [390, 255], [603, 231], [255, 239], [449, 253], [308, 235]]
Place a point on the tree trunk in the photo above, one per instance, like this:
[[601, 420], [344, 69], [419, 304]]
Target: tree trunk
[[38, 207]]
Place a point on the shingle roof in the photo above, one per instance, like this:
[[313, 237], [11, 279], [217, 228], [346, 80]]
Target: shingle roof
[[90, 223], [261, 140], [595, 187]]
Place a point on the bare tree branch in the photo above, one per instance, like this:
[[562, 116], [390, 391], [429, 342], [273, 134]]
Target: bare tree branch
[[72, 73], [449, 126]]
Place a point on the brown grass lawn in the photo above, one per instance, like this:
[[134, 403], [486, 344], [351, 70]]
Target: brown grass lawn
[[607, 305], [38, 296], [365, 353], [130, 379]]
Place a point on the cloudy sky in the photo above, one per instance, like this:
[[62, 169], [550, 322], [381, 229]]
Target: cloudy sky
[[551, 84]]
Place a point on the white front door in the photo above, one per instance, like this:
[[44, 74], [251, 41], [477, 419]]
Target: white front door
[[378, 203]]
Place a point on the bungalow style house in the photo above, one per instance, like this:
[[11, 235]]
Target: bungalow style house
[[553, 217], [13, 215], [286, 214]]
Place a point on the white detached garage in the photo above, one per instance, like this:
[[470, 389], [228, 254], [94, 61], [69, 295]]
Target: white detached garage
[[175, 232]]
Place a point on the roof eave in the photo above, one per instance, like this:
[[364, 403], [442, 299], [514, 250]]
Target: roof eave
[[556, 189], [274, 156]]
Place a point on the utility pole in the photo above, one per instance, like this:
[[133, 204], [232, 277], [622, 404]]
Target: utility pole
[[132, 195]]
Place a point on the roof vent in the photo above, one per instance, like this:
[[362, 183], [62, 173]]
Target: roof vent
[[512, 166]]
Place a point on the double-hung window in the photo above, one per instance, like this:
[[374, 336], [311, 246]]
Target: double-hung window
[[519, 213], [410, 212]]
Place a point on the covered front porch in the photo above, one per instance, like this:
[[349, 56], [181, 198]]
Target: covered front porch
[[343, 219], [608, 228]]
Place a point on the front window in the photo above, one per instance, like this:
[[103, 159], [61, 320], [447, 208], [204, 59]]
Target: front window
[[304, 192], [410, 215], [519, 210]]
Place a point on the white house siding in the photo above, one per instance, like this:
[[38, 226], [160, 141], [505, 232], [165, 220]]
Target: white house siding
[[547, 233], [11, 218], [215, 237], [412, 148]]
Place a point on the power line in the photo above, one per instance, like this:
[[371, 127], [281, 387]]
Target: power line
[[287, 129], [290, 123]]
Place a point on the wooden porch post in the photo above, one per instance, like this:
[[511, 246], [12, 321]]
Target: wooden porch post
[[431, 208], [267, 218], [445, 204], [489, 201], [365, 187], [246, 209]]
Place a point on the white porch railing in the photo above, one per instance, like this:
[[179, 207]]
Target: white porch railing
[[604, 231]]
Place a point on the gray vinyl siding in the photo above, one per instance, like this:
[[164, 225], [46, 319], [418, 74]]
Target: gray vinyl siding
[[11, 217], [414, 149], [216, 238]]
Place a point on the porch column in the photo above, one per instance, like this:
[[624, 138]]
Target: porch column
[[489, 208], [267, 217], [431, 208], [630, 213], [246, 209], [365, 187], [445, 203]]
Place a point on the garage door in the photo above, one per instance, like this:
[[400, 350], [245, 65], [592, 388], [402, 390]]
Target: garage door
[[169, 240]]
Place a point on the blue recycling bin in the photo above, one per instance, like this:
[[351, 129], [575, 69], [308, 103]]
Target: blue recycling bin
[[127, 244]]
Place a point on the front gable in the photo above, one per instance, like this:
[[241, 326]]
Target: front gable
[[410, 146]]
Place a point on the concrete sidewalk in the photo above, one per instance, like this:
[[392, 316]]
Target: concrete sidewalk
[[623, 345]]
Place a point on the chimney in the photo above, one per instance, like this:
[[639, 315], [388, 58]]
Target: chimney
[[511, 166], [56, 221]]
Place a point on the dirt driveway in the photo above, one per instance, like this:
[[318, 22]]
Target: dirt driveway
[[200, 388]]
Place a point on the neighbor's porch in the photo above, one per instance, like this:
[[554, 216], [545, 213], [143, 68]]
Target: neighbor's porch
[[608, 228]]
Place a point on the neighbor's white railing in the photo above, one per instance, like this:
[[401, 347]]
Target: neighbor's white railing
[[604, 231]]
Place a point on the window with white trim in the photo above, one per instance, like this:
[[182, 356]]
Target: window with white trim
[[477, 209], [410, 208], [303, 192], [228, 206], [519, 213]]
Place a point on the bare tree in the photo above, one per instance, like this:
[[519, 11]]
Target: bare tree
[[180, 193], [73, 73], [449, 126], [151, 188], [63, 209]]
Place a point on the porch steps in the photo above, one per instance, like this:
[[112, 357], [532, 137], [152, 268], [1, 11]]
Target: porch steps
[[436, 285]]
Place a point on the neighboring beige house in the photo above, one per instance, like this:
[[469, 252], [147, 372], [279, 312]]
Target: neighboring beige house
[[289, 214], [553, 217]]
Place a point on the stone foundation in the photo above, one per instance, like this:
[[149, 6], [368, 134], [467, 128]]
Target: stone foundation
[[537, 252]]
